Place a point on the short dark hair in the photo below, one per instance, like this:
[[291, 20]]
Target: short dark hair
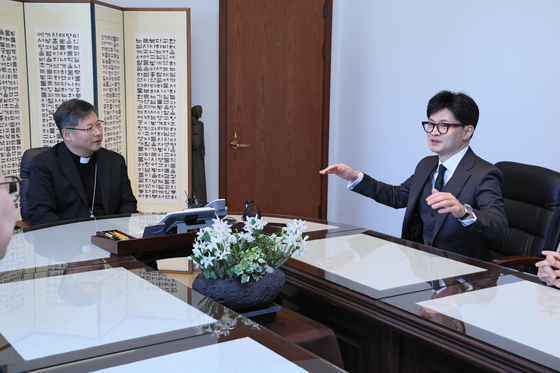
[[70, 112], [464, 109]]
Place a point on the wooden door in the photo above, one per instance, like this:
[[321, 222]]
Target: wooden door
[[274, 96]]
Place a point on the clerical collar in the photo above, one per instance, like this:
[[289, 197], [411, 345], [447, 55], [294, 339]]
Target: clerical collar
[[82, 161]]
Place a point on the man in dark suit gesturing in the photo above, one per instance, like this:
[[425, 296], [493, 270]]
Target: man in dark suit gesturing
[[77, 178], [453, 200]]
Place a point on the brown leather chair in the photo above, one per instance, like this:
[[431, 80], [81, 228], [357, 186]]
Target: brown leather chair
[[25, 169], [532, 204]]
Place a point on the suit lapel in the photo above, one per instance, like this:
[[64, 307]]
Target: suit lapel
[[68, 167], [456, 183], [421, 175], [103, 175], [412, 227]]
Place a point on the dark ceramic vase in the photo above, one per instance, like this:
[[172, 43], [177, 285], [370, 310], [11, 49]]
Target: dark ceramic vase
[[237, 296]]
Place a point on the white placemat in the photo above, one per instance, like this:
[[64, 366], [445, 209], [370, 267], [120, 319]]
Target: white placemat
[[54, 315], [242, 355], [523, 311], [378, 264]]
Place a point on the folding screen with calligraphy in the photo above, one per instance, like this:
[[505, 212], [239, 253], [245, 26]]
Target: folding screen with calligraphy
[[134, 67], [60, 63], [159, 105], [14, 111], [111, 77]]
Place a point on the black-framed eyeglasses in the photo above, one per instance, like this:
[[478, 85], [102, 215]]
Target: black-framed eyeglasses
[[13, 187], [441, 127], [91, 130]]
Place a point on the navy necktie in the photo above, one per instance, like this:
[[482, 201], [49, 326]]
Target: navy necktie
[[439, 180]]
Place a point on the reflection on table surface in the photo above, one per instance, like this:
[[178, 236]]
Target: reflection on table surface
[[82, 310], [516, 314], [501, 307], [93, 311], [312, 226], [66, 299], [53, 246], [239, 355], [248, 349], [378, 268]]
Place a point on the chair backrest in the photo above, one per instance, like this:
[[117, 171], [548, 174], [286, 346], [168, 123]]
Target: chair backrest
[[532, 204], [25, 169]]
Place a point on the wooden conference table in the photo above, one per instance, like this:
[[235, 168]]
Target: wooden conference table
[[397, 306], [71, 306], [394, 305]]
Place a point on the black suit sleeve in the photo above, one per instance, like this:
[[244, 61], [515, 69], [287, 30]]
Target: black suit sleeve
[[128, 201], [41, 194], [488, 205], [395, 196]]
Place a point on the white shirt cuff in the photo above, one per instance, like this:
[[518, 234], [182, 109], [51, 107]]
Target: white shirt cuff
[[352, 184], [468, 222]]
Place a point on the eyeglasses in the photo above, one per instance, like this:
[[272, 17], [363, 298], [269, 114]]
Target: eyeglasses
[[13, 187], [91, 130], [441, 127]]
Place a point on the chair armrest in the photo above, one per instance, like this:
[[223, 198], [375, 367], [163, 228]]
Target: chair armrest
[[516, 260]]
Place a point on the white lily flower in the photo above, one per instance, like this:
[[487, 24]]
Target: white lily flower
[[207, 261]]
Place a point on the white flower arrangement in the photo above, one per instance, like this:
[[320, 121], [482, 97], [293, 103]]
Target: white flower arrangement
[[222, 253]]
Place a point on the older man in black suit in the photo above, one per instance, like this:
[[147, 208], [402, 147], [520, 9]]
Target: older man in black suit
[[77, 178], [453, 200]]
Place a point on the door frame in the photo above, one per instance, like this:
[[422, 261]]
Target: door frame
[[223, 136]]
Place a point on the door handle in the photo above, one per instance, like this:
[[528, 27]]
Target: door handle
[[235, 144]]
